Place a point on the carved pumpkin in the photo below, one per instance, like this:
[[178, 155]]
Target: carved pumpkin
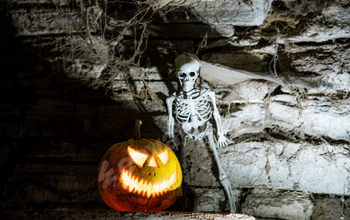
[[139, 175]]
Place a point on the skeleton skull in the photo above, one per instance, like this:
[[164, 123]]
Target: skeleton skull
[[187, 69]]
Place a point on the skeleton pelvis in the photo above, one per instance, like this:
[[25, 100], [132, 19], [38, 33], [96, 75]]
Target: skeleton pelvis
[[194, 126]]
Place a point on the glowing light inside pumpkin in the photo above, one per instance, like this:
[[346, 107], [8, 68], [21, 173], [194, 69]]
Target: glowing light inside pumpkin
[[164, 157], [137, 157], [153, 162], [142, 187]]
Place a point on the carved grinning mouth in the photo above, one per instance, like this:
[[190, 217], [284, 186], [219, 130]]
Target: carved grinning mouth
[[133, 184]]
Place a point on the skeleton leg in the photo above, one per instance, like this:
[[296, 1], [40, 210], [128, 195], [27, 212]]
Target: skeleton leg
[[222, 175], [184, 138]]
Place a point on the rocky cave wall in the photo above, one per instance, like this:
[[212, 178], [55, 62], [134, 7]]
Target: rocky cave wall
[[63, 106]]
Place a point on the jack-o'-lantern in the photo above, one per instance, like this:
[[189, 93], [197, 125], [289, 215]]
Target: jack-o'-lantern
[[139, 175]]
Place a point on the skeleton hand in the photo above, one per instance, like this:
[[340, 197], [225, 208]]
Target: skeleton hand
[[222, 141], [171, 126], [173, 144]]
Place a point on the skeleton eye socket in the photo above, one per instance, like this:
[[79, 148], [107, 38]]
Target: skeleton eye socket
[[192, 74], [181, 74]]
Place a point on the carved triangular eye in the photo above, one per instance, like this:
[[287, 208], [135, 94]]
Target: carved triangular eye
[[164, 156], [153, 162], [138, 157]]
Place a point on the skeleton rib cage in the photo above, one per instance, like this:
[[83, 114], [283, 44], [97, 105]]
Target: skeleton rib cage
[[185, 108]]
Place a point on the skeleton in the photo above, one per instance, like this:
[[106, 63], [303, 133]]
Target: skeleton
[[193, 111]]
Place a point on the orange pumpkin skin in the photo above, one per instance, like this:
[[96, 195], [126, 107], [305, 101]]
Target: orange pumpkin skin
[[125, 185]]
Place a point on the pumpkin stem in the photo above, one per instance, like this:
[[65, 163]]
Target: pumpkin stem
[[137, 130]]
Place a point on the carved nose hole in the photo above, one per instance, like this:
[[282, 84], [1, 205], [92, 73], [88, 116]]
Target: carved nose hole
[[192, 74]]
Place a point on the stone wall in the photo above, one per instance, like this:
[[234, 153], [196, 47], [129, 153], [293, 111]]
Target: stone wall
[[289, 156]]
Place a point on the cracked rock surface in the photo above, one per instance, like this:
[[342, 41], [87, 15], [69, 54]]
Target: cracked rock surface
[[289, 128]]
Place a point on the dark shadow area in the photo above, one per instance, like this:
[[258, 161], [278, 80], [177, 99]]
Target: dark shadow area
[[54, 128]]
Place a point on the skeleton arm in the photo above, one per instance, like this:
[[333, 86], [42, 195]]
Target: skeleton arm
[[169, 103], [222, 140]]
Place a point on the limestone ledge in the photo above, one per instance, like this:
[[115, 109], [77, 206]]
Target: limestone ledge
[[100, 215]]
